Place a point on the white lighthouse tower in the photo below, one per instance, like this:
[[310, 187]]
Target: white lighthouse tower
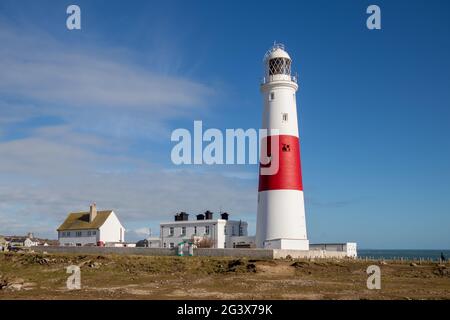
[[281, 220]]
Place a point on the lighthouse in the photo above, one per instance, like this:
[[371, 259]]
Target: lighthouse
[[281, 222]]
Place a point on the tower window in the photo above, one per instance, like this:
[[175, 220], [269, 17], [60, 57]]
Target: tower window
[[285, 117], [272, 96], [279, 66]]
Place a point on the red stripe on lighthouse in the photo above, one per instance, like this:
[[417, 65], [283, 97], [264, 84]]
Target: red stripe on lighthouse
[[289, 175]]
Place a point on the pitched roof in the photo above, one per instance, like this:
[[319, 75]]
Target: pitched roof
[[80, 221]]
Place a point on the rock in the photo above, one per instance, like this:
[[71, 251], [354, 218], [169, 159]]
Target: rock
[[234, 264], [94, 265], [251, 267], [383, 263], [442, 271], [412, 264], [300, 264], [289, 257], [11, 283], [3, 283], [14, 286], [84, 263]]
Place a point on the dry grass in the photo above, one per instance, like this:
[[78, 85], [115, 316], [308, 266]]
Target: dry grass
[[42, 276]]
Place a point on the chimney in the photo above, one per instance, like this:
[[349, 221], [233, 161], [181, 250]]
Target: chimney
[[208, 215], [184, 216], [224, 215], [92, 212]]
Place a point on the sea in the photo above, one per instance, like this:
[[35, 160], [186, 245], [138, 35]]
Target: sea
[[434, 255]]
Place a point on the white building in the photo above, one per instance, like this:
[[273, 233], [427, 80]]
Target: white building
[[22, 242], [205, 231], [149, 242], [349, 248], [91, 228]]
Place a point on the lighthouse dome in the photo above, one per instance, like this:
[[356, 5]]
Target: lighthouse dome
[[277, 51], [277, 63]]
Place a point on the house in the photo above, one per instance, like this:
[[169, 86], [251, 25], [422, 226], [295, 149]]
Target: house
[[349, 248], [205, 231], [150, 242], [91, 228], [22, 242]]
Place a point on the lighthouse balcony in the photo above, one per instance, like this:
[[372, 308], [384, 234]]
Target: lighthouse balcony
[[279, 77]]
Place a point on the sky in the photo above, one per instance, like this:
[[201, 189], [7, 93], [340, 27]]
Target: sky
[[86, 115]]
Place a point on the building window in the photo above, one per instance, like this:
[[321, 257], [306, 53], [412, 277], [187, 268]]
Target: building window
[[171, 231], [285, 117], [241, 231], [183, 231], [172, 245], [224, 244], [68, 233], [225, 230], [78, 233], [195, 230], [63, 234], [206, 229], [94, 232], [165, 245], [89, 233], [272, 96], [233, 232]]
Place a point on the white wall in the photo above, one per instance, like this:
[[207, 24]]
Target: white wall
[[235, 240], [112, 230], [349, 248]]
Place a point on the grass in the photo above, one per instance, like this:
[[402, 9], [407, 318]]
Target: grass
[[43, 276]]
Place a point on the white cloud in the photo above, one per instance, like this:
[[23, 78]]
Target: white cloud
[[99, 89]]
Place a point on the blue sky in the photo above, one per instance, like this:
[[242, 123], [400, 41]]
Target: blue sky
[[87, 115]]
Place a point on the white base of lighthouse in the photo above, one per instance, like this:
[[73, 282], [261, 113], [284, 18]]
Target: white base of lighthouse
[[287, 244], [281, 220]]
